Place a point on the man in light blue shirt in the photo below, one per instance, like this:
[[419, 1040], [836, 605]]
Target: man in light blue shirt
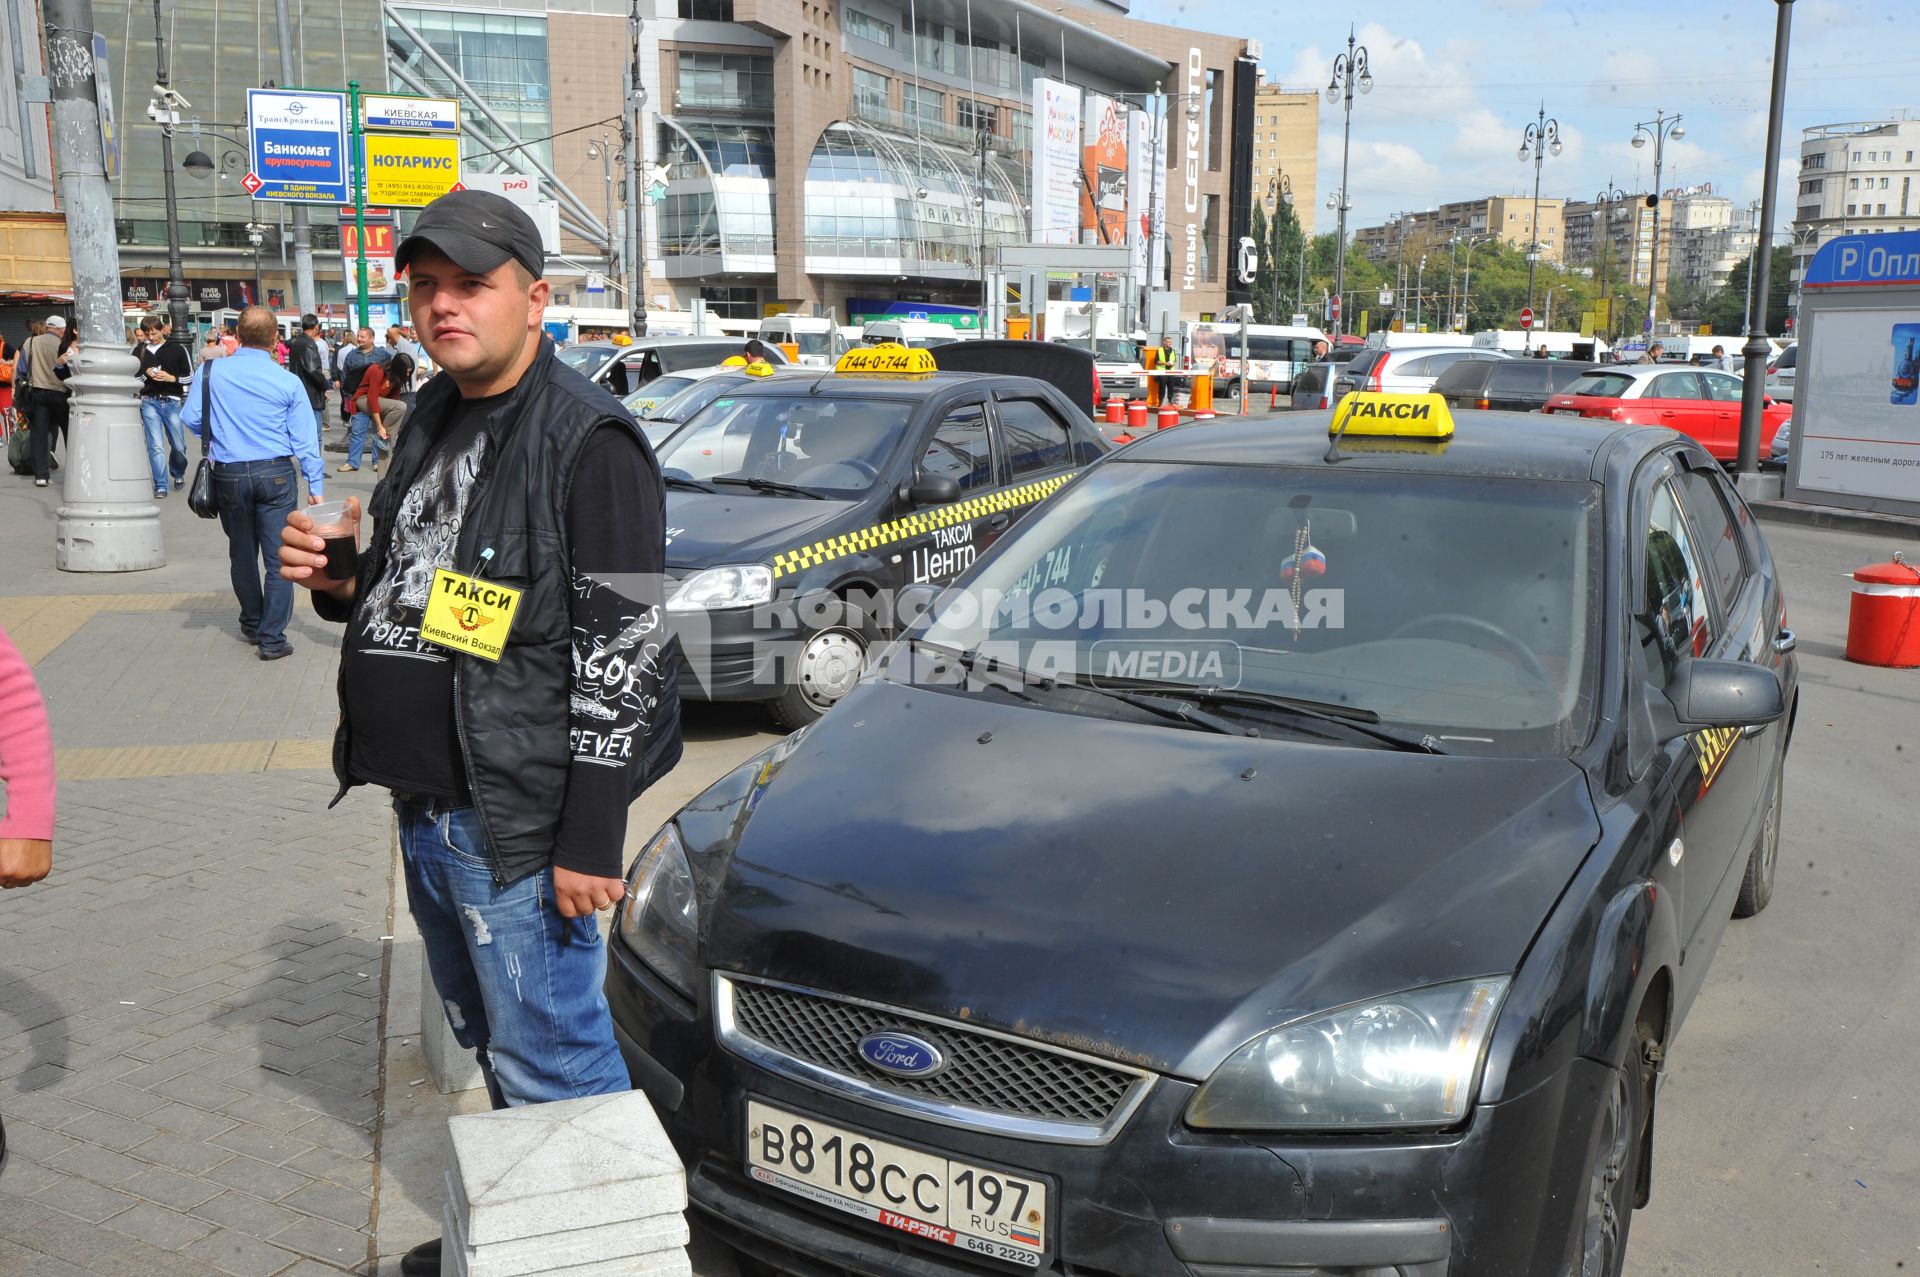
[[262, 427]]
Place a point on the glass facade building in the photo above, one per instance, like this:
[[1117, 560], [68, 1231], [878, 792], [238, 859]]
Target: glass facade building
[[501, 56]]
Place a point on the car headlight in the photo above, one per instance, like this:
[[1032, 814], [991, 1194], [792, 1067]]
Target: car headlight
[[743, 586], [660, 918], [1409, 1060]]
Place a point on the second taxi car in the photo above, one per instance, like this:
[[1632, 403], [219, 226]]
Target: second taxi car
[[798, 503], [1276, 855]]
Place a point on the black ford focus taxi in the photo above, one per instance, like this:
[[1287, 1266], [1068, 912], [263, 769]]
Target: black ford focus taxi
[[1277, 854]]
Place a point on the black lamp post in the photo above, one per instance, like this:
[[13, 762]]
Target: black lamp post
[[1279, 191], [1540, 137], [1349, 72], [1603, 206], [1753, 395], [165, 111]]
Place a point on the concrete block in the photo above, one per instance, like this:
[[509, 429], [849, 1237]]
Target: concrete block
[[644, 1248], [519, 1172], [452, 1066]]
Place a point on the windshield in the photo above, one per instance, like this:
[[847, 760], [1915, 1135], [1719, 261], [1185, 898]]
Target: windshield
[[836, 445], [584, 359], [1466, 608], [1606, 385], [809, 343], [645, 402]]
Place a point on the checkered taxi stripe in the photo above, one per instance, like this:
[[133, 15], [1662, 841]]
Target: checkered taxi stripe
[[880, 535]]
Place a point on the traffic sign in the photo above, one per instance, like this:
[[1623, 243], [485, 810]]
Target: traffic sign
[[251, 183], [457, 186], [297, 145], [1526, 318]]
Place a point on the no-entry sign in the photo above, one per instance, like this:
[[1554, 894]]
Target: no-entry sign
[[1526, 317]]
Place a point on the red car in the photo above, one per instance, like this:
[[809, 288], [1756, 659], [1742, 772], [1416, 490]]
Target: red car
[[1695, 401]]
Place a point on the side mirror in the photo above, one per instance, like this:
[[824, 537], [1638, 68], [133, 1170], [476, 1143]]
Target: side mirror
[[939, 489], [1707, 693]]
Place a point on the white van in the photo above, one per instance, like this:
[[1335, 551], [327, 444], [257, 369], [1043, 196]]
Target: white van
[[818, 340], [916, 334], [1425, 341], [1559, 345]]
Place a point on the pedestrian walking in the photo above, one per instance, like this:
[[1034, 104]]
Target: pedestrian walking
[[164, 370], [511, 767], [1722, 360], [353, 366], [9, 369], [26, 771], [260, 441], [307, 361], [1652, 355], [46, 394]]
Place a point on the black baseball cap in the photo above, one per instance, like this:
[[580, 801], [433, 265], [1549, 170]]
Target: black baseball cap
[[478, 230]]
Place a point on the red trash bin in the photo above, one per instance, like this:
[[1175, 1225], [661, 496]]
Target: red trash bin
[[1883, 623], [1136, 414]]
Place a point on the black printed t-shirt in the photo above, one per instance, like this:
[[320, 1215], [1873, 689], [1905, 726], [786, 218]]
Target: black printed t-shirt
[[400, 688]]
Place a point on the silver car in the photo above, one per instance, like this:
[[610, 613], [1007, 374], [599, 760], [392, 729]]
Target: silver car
[[1402, 370]]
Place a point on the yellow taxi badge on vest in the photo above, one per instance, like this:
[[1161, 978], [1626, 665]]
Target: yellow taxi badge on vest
[[1375, 413], [886, 361], [469, 615]]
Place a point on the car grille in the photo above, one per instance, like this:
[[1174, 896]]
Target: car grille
[[985, 1073]]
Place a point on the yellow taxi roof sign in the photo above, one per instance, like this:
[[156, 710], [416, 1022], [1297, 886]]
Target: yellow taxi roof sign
[[759, 368], [1376, 414], [886, 361]]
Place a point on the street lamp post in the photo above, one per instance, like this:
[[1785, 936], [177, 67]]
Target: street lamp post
[[165, 108], [1661, 127], [1466, 284], [1754, 390], [1419, 285], [1349, 71], [1279, 191], [1603, 206], [983, 146], [1541, 137], [602, 149]]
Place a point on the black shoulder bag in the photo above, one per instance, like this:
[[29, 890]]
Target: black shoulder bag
[[200, 498]]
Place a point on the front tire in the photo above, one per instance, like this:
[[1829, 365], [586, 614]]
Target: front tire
[[828, 665], [1756, 889], [1614, 1170]]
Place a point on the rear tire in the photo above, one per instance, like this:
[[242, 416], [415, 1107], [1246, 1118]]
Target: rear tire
[[1756, 888], [829, 664]]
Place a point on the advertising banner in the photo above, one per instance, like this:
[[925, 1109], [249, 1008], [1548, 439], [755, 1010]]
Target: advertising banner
[[411, 170], [1056, 162], [297, 146], [382, 239], [1139, 191], [1103, 172]]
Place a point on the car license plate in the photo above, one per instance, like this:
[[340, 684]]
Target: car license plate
[[921, 1194]]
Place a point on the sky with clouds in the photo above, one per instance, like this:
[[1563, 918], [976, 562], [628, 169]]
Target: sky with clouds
[[1456, 82]]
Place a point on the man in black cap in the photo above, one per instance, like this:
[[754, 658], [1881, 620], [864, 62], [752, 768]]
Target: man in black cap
[[506, 671]]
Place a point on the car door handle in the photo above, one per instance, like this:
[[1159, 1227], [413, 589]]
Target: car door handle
[[1785, 641], [999, 521], [1666, 412]]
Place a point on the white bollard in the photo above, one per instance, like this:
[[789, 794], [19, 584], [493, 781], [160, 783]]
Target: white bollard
[[580, 1187]]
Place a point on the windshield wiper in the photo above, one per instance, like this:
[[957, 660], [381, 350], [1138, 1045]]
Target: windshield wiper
[[682, 481], [772, 485], [1351, 718]]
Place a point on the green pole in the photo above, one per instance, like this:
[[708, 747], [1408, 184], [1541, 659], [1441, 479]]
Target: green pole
[[359, 197]]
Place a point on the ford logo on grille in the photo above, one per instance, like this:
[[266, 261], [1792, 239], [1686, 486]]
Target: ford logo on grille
[[902, 1054]]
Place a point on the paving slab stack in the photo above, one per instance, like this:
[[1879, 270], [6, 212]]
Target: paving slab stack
[[577, 1188]]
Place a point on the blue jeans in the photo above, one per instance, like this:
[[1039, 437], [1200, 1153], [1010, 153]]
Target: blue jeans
[[320, 426], [166, 439], [255, 498], [521, 986], [360, 433]]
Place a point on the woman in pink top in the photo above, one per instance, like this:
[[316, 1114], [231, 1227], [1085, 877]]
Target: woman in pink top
[[26, 768]]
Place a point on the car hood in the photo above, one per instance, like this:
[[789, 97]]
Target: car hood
[[1145, 893], [741, 526]]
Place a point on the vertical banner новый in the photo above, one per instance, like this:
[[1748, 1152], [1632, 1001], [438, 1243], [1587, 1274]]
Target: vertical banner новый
[[1056, 162], [1139, 191], [1103, 186]]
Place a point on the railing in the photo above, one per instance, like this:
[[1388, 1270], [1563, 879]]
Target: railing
[[902, 124]]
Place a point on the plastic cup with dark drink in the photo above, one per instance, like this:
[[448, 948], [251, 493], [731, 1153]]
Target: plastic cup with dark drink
[[336, 525]]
